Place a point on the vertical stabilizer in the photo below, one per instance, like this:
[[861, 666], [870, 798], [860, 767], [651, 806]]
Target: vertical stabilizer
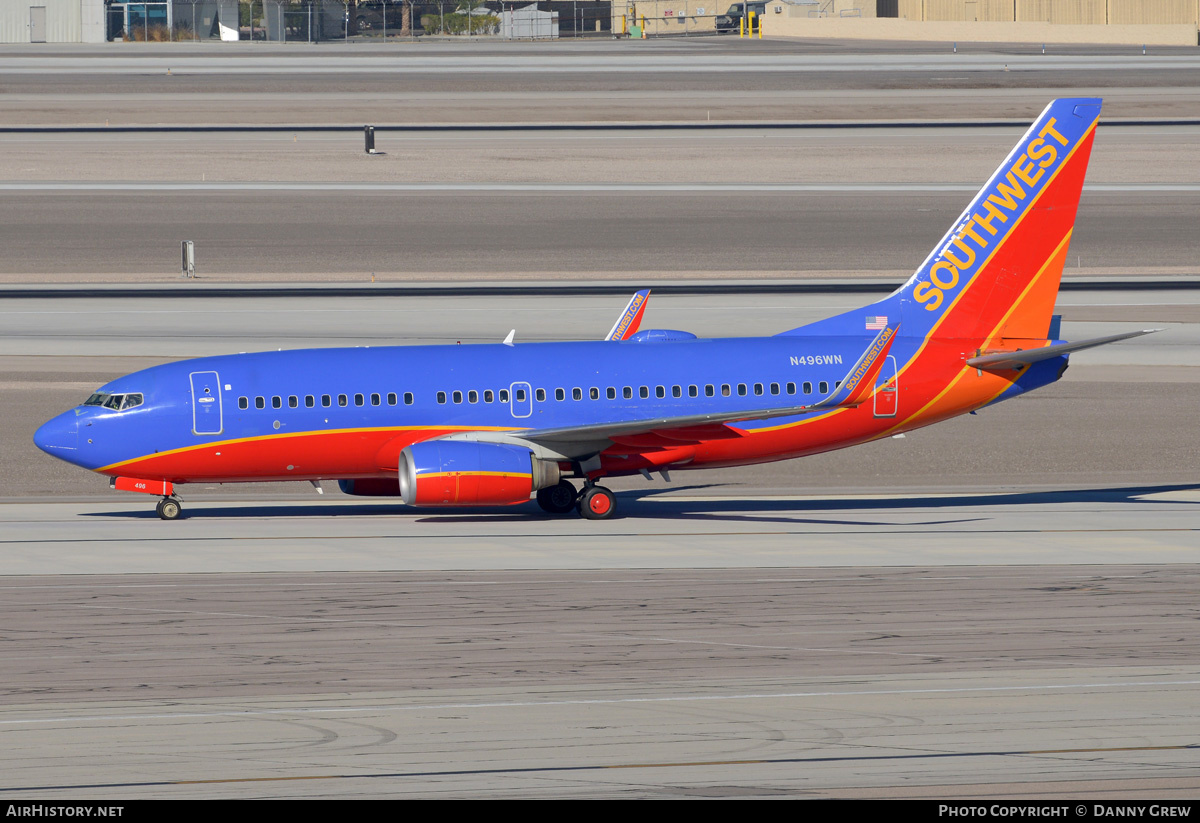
[[996, 271]]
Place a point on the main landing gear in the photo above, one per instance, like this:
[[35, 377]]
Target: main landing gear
[[557, 499], [168, 508], [593, 502]]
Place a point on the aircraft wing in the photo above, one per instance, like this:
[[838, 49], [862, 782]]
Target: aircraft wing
[[1025, 357], [852, 390]]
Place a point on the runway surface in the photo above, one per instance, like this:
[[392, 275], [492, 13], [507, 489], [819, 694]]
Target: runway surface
[[625, 205], [999, 606], [730, 195], [756, 683], [690, 80]]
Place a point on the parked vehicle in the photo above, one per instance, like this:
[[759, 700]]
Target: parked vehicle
[[731, 19]]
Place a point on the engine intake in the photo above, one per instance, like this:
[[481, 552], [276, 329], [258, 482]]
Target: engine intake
[[466, 473]]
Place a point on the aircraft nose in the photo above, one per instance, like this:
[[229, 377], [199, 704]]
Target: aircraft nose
[[59, 435]]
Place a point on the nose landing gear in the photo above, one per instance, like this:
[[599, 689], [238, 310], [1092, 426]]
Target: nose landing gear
[[168, 508], [597, 503]]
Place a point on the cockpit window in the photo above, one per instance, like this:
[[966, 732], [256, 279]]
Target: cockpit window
[[117, 402]]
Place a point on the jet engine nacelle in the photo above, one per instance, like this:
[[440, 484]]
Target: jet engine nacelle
[[467, 473]]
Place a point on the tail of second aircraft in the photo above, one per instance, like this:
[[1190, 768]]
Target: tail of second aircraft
[[995, 274]]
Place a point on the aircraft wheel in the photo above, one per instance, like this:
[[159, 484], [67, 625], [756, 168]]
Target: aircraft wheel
[[558, 499], [168, 509], [597, 503]]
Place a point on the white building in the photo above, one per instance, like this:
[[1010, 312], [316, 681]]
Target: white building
[[528, 24], [52, 21]]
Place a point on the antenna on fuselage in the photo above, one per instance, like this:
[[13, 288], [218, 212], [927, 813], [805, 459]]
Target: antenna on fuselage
[[508, 340]]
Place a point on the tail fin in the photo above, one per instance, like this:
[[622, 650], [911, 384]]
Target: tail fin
[[996, 271]]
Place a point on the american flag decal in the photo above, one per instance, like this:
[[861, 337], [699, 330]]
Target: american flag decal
[[877, 322]]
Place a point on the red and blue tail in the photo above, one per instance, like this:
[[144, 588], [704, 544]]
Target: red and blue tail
[[995, 273]]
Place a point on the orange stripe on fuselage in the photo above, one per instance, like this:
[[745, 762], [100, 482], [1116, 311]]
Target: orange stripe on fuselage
[[311, 455]]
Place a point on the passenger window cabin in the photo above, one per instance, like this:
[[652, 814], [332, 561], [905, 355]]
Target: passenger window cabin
[[502, 395]]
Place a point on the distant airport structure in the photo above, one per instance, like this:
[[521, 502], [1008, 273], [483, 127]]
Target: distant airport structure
[[1135, 22], [52, 21]]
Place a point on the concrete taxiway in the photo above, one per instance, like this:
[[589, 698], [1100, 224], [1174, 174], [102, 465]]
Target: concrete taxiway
[[1063, 681]]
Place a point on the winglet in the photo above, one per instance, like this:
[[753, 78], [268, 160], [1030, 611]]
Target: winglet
[[627, 324], [859, 383]]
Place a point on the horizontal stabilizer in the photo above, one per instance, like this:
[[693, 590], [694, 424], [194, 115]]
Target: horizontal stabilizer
[[1020, 358]]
